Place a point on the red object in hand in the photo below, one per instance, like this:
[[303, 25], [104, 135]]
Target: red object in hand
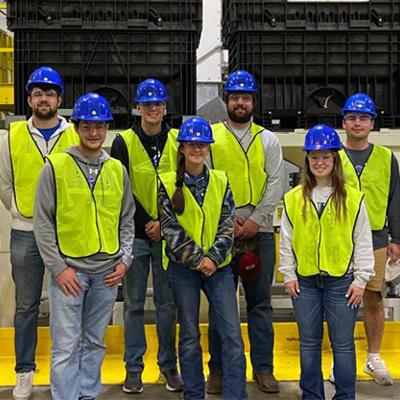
[[249, 266]]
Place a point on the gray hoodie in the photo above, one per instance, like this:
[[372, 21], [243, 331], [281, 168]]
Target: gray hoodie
[[45, 221]]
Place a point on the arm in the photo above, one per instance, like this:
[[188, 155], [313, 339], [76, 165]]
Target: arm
[[275, 169], [44, 222], [363, 256], [182, 247], [6, 178], [120, 152], [393, 211], [224, 238]]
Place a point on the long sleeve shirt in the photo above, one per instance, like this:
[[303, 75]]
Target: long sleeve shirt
[[362, 264], [45, 221], [180, 247]]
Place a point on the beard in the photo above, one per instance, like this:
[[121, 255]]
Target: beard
[[44, 115], [239, 119]]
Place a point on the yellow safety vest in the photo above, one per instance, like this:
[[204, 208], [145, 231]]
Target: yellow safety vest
[[27, 162], [322, 243], [201, 222], [142, 172], [87, 220], [374, 181], [245, 169]]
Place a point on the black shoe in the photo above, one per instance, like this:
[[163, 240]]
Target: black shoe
[[133, 382], [173, 381]]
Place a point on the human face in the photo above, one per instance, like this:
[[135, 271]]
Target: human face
[[92, 135], [195, 154], [152, 113], [357, 126], [321, 164], [240, 107], [44, 102]]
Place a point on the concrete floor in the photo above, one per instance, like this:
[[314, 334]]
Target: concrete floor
[[366, 390]]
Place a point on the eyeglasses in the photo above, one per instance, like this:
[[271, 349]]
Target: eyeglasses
[[245, 97], [198, 145], [154, 104], [89, 128], [44, 93], [354, 118], [324, 158]]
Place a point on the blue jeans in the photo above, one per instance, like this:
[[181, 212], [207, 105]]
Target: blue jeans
[[27, 272], [147, 252], [78, 325], [259, 314], [326, 296], [220, 290]]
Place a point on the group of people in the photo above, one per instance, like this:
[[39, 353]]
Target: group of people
[[195, 207]]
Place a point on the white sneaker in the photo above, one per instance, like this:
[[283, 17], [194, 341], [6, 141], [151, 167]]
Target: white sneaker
[[23, 388], [331, 378], [376, 367]]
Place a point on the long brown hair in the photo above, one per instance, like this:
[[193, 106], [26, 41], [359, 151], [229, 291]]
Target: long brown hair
[[178, 201], [339, 193]]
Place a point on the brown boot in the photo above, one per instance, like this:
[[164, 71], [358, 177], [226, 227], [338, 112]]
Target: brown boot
[[266, 382], [214, 382]]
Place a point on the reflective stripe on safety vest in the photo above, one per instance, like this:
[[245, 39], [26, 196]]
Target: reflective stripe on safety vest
[[322, 243], [27, 162], [201, 222], [87, 220], [142, 172], [374, 182], [245, 169]]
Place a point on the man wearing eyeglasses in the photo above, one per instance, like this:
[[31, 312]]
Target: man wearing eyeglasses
[[373, 169], [148, 149], [252, 158], [22, 157]]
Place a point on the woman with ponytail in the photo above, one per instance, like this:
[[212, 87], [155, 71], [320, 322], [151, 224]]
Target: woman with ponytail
[[196, 213], [326, 259]]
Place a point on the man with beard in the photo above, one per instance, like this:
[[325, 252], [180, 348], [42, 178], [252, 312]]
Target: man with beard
[[252, 158], [22, 157]]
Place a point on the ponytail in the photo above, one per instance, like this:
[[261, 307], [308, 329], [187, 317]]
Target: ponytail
[[178, 201]]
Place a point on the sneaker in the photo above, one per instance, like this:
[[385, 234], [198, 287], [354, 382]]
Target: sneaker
[[214, 382], [133, 382], [376, 368], [266, 382], [23, 388], [172, 379]]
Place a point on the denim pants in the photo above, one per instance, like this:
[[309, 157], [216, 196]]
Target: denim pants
[[326, 296], [146, 253], [220, 290], [259, 314], [27, 272], [78, 325]]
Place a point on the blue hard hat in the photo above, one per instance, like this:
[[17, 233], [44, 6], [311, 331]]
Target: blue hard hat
[[322, 137], [195, 129], [150, 90], [241, 81], [45, 76], [361, 103], [91, 107]]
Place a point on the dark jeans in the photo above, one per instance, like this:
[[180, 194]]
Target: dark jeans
[[148, 253], [27, 272], [220, 290], [326, 296], [259, 314]]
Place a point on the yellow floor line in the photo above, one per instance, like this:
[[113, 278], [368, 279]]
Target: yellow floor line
[[286, 359]]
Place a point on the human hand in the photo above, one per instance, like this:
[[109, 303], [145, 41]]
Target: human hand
[[152, 230], [69, 282], [206, 266], [292, 288], [113, 279], [355, 295], [247, 230], [393, 252]]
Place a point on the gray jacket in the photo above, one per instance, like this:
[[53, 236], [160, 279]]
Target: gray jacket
[[44, 225]]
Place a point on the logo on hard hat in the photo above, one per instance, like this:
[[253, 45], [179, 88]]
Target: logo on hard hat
[[150, 94], [94, 112]]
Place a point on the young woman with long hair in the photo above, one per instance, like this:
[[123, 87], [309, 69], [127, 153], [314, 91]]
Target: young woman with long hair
[[326, 258], [196, 213]]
